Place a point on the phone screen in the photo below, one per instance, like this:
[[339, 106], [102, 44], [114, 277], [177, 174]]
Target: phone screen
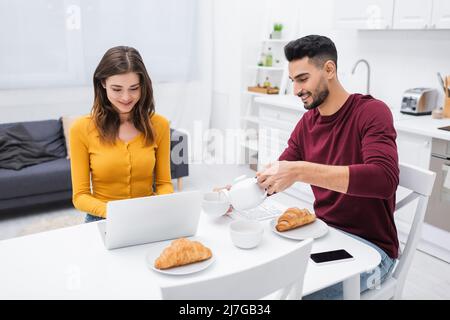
[[327, 256]]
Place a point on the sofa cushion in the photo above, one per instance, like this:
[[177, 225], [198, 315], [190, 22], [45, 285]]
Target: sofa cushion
[[46, 177], [67, 122], [29, 143]]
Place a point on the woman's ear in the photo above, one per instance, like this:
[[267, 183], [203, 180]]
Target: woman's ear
[[103, 84]]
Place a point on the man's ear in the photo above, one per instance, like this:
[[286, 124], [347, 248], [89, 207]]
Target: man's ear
[[330, 69]]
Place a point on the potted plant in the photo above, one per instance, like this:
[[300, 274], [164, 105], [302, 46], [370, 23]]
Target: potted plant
[[277, 29]]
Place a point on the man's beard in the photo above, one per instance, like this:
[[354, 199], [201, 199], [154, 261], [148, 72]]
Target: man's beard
[[318, 98]]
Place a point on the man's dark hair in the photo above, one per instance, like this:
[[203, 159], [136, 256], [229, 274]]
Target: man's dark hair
[[318, 49]]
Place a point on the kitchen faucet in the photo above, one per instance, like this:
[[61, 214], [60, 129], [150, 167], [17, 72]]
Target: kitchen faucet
[[368, 72]]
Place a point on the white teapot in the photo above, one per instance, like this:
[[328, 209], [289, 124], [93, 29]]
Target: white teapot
[[245, 193]]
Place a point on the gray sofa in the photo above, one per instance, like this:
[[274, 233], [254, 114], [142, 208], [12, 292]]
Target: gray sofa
[[50, 181]]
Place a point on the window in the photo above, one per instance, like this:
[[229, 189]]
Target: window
[[60, 42]]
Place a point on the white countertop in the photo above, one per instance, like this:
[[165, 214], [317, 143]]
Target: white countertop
[[420, 125]]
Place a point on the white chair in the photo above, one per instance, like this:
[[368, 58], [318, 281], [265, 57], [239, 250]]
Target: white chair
[[420, 182], [285, 272]]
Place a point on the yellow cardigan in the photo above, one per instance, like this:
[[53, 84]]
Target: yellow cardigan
[[120, 171]]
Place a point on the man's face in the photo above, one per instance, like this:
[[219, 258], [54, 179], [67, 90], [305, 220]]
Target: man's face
[[310, 82]]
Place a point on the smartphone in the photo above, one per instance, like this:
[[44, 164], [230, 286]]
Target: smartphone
[[331, 256]]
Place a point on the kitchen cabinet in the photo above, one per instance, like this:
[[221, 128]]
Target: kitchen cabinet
[[421, 14], [420, 151], [440, 16], [364, 14], [393, 14], [412, 14], [414, 149]]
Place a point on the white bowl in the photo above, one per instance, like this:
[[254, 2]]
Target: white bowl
[[214, 204], [246, 234]]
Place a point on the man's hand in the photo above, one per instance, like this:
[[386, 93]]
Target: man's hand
[[278, 176]]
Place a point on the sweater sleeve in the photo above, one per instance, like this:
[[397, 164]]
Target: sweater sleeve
[[293, 152], [378, 175], [163, 180], [82, 197]]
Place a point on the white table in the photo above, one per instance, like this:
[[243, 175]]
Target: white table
[[72, 263]]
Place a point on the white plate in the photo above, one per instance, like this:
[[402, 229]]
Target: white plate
[[314, 230], [178, 271]]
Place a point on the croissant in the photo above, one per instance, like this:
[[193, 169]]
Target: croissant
[[181, 252], [293, 218]]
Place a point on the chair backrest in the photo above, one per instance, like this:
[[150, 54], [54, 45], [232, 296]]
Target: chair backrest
[[286, 271], [420, 182]]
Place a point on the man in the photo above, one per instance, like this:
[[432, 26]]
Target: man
[[344, 147]]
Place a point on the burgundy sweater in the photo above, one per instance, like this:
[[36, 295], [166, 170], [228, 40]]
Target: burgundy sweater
[[360, 135]]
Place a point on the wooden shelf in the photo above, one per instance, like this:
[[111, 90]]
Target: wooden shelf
[[263, 90], [251, 93]]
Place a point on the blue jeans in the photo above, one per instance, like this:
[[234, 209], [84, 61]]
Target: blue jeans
[[369, 280], [91, 218]]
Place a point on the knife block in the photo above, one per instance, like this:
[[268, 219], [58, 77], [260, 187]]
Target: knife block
[[446, 109]]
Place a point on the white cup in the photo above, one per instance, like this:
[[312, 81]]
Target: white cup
[[215, 204], [246, 234]]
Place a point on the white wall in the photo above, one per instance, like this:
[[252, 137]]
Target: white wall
[[226, 63], [44, 103]]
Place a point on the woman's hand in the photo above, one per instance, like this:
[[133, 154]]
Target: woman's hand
[[278, 176]]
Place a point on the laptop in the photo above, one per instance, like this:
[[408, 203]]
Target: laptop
[[149, 219]]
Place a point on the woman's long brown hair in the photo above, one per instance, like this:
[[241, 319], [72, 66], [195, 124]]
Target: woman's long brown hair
[[121, 60]]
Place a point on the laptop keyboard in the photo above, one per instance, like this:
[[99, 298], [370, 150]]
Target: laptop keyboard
[[267, 210]]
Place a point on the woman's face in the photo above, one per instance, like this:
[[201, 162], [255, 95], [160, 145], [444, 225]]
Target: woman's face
[[123, 91]]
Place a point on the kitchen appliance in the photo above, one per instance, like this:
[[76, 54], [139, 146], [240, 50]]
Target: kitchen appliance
[[438, 213], [419, 101]]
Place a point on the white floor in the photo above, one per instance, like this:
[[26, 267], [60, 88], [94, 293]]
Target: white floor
[[429, 278]]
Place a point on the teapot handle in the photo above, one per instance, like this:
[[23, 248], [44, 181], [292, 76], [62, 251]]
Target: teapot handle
[[264, 195]]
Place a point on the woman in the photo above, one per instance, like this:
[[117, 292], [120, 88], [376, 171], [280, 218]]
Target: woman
[[122, 149]]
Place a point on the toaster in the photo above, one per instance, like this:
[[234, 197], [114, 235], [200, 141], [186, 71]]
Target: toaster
[[419, 101]]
